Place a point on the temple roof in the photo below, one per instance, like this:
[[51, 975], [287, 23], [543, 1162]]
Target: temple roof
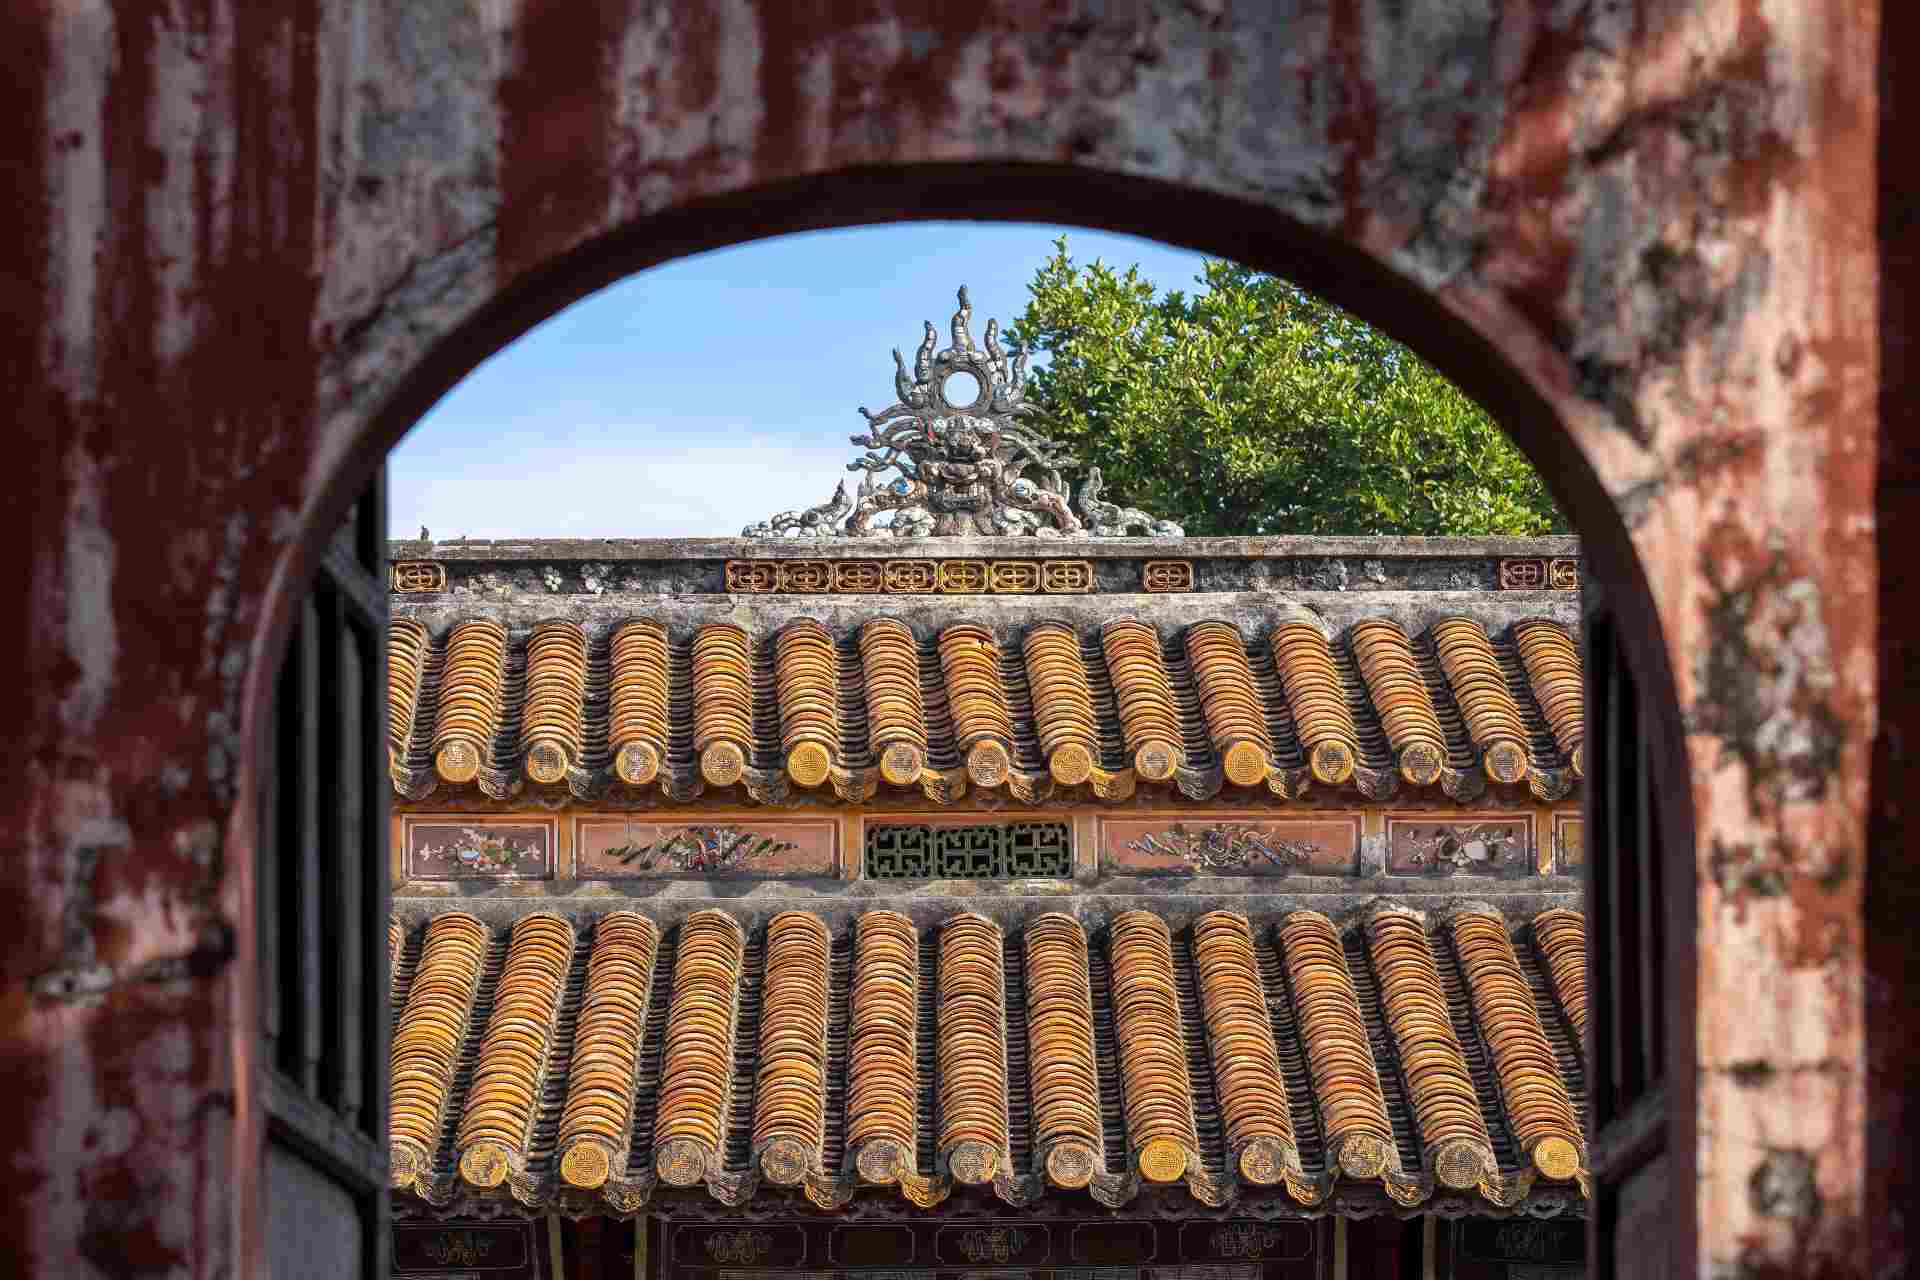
[[577, 1064], [1407, 696]]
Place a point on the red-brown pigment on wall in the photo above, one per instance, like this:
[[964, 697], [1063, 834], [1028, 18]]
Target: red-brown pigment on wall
[[1353, 131], [557, 106]]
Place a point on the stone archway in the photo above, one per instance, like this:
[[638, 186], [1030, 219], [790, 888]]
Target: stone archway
[[1604, 229]]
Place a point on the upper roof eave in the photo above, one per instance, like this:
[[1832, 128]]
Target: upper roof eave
[[654, 549]]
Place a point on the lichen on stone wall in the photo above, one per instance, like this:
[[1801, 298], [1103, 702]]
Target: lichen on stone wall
[[1763, 680]]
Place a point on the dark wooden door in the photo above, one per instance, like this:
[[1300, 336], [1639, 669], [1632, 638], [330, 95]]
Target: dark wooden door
[[323, 890], [1639, 861]]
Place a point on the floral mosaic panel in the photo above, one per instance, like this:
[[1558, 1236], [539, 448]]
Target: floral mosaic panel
[[452, 850], [1214, 844], [612, 848], [1471, 846]]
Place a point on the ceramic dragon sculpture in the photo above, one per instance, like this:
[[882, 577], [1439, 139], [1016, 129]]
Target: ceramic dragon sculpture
[[962, 458]]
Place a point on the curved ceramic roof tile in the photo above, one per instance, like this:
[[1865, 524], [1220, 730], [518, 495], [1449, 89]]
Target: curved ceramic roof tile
[[807, 677], [883, 1086], [1246, 1065], [1561, 936], [790, 1088], [552, 711], [1538, 1105], [971, 1052], [1042, 710], [1236, 721], [896, 712], [640, 679], [1143, 692], [723, 702], [1453, 1133], [1064, 1075], [427, 1042], [493, 1139], [472, 684], [1062, 702], [696, 1065], [1400, 698], [1346, 1081], [1155, 1087], [977, 702], [407, 647], [596, 1127], [1552, 660], [647, 1038], [1317, 700], [1479, 688]]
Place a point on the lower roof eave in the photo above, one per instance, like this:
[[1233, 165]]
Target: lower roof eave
[[879, 1204]]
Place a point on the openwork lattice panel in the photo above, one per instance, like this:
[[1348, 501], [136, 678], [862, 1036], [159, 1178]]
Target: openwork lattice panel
[[974, 851]]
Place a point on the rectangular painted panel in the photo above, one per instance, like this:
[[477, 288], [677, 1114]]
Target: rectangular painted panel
[[1473, 846], [612, 849], [453, 849], [508, 1250], [1217, 844]]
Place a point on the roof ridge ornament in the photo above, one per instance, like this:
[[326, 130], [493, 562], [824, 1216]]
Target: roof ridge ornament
[[962, 458]]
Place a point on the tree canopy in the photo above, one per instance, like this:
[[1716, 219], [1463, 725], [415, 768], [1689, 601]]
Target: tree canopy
[[1254, 407]]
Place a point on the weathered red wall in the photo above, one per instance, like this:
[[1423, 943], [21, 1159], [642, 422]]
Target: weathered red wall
[[249, 239]]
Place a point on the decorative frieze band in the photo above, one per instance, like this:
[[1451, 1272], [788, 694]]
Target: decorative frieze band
[[909, 577]]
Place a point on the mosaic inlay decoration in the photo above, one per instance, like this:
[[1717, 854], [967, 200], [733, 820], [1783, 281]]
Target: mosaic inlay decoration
[[609, 849], [448, 850], [909, 577], [1494, 846], [1215, 845]]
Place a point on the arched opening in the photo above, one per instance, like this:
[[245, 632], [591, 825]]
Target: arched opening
[[1492, 358], [1492, 365]]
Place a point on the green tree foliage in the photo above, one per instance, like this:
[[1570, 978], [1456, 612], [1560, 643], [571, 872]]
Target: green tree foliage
[[1254, 407]]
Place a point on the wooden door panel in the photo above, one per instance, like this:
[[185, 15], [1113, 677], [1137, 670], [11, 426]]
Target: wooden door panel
[[1630, 978], [322, 926]]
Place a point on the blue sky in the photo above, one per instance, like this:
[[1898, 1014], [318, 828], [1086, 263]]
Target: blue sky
[[705, 394]]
